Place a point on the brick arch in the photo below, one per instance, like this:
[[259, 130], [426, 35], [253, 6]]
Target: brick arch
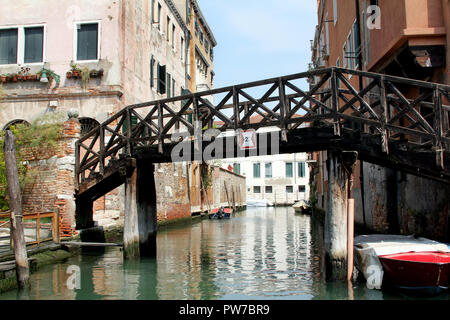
[[15, 122], [87, 124]]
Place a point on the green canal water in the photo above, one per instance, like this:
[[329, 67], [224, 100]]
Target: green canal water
[[262, 253]]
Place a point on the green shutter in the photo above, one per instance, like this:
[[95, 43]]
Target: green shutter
[[168, 85], [184, 92], [161, 79], [125, 123], [152, 72]]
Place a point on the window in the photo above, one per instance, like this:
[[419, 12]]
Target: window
[[201, 36], [173, 36], [256, 170], [22, 45], [173, 87], [206, 45], [161, 79], [269, 189], [335, 11], [268, 170], [257, 189], [159, 16], [88, 124], [87, 41], [182, 49], [34, 45], [211, 53], [197, 28], [356, 44], [8, 46], [289, 189], [152, 72], [301, 170], [168, 29], [289, 171], [237, 168], [302, 189], [168, 85]]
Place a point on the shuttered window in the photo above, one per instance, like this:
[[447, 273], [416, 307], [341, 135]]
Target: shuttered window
[[152, 72], [161, 79], [87, 42], [8, 46], [34, 45], [168, 85]]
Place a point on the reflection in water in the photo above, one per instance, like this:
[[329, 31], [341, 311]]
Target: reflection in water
[[263, 253]]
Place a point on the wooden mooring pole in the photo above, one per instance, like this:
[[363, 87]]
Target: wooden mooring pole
[[15, 204]]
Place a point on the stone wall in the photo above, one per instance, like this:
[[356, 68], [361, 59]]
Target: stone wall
[[400, 203]]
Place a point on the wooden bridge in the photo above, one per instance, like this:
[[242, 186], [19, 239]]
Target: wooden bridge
[[379, 121]]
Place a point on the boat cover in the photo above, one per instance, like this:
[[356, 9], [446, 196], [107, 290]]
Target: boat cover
[[368, 247]]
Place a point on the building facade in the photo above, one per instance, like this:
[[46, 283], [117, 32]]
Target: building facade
[[405, 38], [95, 58], [282, 179]]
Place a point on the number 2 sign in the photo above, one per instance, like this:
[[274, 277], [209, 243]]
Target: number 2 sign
[[248, 139]]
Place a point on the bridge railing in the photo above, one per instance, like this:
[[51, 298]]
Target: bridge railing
[[391, 107]]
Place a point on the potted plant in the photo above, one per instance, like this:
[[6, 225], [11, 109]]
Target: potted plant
[[14, 77], [3, 78], [76, 72], [69, 74], [49, 75]]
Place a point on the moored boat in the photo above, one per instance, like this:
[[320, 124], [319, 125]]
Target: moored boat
[[220, 213], [302, 207], [258, 203], [418, 271], [403, 262]]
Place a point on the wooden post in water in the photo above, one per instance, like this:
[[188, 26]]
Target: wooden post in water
[[140, 221], [15, 204], [350, 236]]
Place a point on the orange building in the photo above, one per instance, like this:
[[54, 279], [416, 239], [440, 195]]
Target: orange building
[[405, 38]]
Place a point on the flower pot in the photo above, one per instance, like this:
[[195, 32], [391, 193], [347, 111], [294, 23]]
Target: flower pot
[[69, 75], [33, 77], [93, 74], [28, 77], [76, 74], [20, 78], [14, 78]]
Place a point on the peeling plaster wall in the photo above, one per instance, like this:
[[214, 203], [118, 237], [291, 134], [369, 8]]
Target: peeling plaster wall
[[401, 203]]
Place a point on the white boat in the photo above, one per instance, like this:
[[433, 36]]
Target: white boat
[[302, 206], [258, 203]]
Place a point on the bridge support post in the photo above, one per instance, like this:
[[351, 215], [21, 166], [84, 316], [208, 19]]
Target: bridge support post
[[140, 223], [340, 167]]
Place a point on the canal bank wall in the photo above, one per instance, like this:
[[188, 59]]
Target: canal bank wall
[[38, 258], [389, 201]]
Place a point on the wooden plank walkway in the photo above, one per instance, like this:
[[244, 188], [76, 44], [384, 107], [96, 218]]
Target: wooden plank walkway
[[91, 244]]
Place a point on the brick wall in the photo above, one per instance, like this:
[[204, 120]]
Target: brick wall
[[52, 187]]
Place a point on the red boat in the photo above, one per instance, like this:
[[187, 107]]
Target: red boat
[[225, 210], [220, 213], [421, 271]]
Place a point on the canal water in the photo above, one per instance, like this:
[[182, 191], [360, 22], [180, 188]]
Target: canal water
[[261, 253]]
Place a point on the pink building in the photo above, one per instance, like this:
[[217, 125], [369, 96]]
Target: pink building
[[133, 51]]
